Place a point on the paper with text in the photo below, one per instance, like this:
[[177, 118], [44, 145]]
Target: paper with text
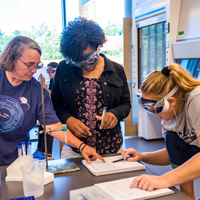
[[99, 168], [120, 190]]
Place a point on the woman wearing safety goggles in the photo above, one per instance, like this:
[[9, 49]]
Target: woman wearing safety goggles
[[85, 83], [174, 96]]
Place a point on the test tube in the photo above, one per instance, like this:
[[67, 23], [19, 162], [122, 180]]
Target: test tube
[[29, 149], [19, 151], [103, 114], [23, 149]]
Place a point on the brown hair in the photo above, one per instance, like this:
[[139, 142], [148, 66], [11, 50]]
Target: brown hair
[[159, 85], [15, 49]]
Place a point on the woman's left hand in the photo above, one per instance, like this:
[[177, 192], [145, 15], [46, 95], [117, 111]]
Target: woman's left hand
[[109, 121], [90, 153]]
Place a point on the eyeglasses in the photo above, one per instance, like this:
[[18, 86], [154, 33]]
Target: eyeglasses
[[33, 66], [50, 70], [159, 106], [87, 60]]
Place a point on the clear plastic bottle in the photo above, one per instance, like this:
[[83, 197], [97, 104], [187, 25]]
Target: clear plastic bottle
[[41, 159], [35, 158]]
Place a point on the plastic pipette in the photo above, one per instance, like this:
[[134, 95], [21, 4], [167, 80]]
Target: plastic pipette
[[65, 132]]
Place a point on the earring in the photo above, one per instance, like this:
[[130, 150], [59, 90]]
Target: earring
[[173, 104]]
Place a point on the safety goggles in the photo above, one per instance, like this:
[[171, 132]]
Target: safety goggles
[[50, 70], [155, 107], [87, 60]]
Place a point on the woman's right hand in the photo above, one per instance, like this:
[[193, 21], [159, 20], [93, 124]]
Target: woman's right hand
[[134, 155], [90, 154], [78, 128]]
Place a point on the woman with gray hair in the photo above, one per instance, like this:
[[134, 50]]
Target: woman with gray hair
[[21, 100]]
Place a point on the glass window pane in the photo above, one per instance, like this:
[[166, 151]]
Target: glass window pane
[[190, 65], [152, 49], [110, 22]]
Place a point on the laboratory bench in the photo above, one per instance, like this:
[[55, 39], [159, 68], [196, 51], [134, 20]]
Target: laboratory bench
[[63, 183]]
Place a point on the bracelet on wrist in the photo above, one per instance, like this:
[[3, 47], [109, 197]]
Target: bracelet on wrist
[[80, 146], [83, 148]]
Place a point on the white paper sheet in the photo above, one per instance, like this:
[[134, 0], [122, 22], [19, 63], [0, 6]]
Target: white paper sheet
[[99, 168], [120, 190]]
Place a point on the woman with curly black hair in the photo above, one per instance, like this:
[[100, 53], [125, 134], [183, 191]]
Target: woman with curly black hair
[[85, 82]]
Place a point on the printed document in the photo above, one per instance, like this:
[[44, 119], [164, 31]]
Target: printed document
[[120, 190], [116, 190], [99, 168]]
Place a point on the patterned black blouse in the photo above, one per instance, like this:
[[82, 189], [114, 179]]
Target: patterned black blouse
[[90, 103]]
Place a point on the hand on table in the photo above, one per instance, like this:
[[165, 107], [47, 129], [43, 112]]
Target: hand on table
[[78, 128], [90, 153], [109, 121], [149, 182]]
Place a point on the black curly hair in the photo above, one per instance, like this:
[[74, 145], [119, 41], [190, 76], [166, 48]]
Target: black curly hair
[[78, 35]]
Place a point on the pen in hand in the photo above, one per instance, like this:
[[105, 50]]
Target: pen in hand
[[121, 159]]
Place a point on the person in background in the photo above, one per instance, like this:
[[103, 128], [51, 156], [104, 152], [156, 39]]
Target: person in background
[[21, 101], [85, 82], [51, 70], [174, 96]]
